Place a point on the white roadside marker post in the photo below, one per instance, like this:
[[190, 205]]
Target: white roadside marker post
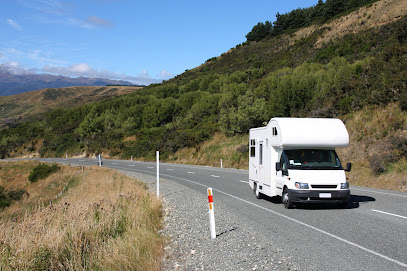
[[158, 174], [211, 214], [131, 158], [100, 160], [67, 156], [221, 164]]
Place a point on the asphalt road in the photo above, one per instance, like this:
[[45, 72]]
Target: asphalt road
[[370, 234]]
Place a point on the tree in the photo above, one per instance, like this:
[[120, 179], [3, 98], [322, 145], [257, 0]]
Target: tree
[[260, 31]]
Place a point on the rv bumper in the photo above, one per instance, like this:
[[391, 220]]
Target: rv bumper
[[319, 196]]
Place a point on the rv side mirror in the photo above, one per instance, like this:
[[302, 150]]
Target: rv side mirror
[[278, 168], [348, 167]]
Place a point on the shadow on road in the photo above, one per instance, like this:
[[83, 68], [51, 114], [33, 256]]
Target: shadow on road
[[354, 202]]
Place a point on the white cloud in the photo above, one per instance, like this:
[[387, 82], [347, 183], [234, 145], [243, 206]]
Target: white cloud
[[14, 24], [15, 68], [63, 12], [165, 74], [84, 69]]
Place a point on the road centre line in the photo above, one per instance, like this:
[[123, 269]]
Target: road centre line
[[170, 169], [244, 181], [150, 167], [378, 192], [301, 223], [214, 176], [389, 213], [131, 165], [190, 172], [114, 163]]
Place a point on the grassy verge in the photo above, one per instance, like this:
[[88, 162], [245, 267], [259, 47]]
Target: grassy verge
[[95, 219]]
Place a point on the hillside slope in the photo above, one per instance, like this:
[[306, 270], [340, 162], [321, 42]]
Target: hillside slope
[[360, 72], [29, 104]]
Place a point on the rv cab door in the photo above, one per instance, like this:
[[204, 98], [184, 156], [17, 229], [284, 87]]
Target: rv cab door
[[281, 175], [261, 166]]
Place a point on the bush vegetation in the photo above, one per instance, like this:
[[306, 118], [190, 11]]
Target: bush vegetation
[[42, 171], [7, 197], [302, 17]]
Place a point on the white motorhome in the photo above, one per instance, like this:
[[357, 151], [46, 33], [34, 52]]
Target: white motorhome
[[295, 158]]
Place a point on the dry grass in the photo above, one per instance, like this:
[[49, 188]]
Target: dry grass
[[377, 14], [101, 221], [232, 150], [370, 131]]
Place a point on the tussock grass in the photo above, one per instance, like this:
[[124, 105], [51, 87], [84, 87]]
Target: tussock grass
[[102, 220], [232, 150], [371, 131]]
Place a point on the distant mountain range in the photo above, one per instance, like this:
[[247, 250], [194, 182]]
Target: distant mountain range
[[11, 84]]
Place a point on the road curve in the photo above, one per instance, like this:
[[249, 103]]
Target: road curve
[[371, 234]]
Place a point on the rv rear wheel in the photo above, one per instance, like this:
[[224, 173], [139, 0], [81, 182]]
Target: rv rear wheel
[[285, 198], [256, 191]]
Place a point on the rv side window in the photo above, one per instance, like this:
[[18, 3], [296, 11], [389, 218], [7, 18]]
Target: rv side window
[[261, 154], [252, 148], [274, 131]]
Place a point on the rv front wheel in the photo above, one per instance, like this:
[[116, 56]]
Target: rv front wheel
[[285, 198], [256, 191]]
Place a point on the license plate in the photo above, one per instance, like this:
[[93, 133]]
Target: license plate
[[325, 195]]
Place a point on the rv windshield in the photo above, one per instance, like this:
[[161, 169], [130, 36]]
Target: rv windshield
[[312, 159]]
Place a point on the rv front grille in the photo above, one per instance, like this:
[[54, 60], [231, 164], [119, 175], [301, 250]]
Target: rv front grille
[[324, 186]]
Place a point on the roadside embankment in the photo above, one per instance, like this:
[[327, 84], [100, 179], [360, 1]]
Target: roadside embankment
[[74, 219]]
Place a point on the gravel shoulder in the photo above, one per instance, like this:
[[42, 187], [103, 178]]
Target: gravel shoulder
[[238, 246]]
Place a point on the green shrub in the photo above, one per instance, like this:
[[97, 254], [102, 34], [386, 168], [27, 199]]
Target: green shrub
[[42, 171], [403, 101], [380, 162], [6, 198]]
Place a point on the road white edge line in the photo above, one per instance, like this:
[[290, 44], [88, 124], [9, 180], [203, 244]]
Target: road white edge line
[[190, 172], [389, 213], [214, 176], [244, 181]]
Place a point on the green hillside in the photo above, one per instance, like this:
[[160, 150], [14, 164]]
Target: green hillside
[[353, 63], [26, 106]]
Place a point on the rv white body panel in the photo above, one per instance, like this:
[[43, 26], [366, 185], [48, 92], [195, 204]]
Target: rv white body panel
[[284, 137]]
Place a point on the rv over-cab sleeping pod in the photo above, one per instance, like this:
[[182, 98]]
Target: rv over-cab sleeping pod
[[295, 158]]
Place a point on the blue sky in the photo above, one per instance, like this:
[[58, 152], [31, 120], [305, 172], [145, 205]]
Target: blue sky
[[139, 41]]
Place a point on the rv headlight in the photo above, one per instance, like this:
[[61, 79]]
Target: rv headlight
[[345, 185], [301, 185]]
